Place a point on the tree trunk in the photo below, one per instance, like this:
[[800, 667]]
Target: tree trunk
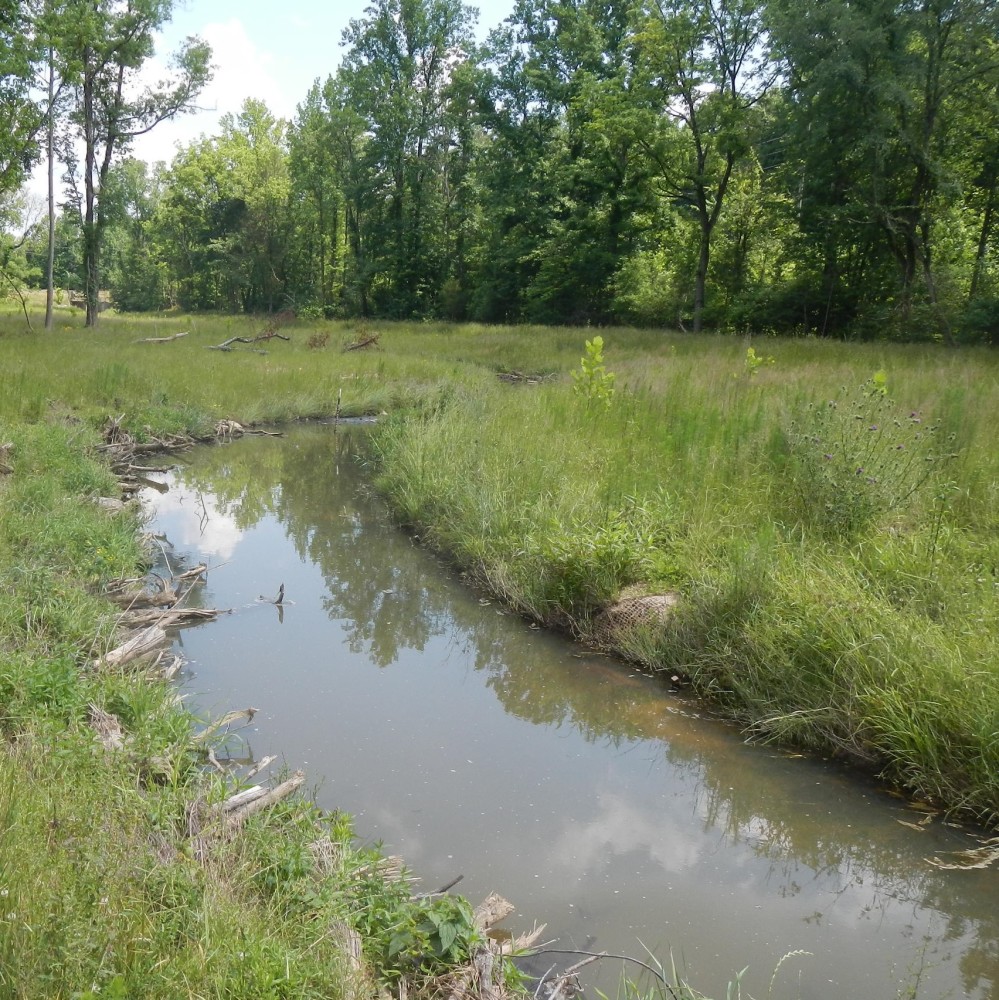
[[91, 242], [701, 278], [50, 270]]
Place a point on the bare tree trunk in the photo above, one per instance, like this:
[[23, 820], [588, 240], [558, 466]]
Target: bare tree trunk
[[91, 242], [701, 278], [50, 274]]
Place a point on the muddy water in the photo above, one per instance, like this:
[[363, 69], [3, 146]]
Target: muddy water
[[596, 801]]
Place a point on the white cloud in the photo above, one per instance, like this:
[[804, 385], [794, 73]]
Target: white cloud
[[242, 70]]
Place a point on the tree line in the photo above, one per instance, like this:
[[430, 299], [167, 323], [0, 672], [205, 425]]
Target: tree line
[[819, 166]]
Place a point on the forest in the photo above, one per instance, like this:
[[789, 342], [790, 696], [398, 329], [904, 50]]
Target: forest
[[825, 167]]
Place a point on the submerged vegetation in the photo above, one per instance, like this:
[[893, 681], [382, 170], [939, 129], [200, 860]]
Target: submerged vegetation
[[826, 521]]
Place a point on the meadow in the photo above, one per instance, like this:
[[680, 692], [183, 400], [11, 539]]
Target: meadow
[[824, 514]]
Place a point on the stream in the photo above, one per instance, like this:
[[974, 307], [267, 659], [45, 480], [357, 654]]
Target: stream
[[471, 743]]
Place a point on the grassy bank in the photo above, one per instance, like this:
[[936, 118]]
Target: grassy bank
[[117, 878], [848, 612], [828, 523]]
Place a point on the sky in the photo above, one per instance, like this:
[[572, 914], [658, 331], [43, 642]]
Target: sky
[[265, 50]]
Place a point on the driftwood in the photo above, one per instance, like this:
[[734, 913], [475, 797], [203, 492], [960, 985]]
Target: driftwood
[[161, 605], [136, 646], [236, 816], [161, 340], [226, 345], [261, 764], [110, 504], [361, 344], [168, 617]]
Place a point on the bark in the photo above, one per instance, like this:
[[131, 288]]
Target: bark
[[50, 271]]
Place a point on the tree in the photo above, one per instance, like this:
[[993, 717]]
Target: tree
[[705, 65], [223, 220], [892, 104], [397, 77], [112, 39]]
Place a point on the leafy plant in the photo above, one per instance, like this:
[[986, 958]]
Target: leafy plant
[[754, 361], [593, 382], [857, 457]]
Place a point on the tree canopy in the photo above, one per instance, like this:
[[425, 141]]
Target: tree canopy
[[819, 166]]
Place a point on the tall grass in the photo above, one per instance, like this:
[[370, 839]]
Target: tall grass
[[854, 619]]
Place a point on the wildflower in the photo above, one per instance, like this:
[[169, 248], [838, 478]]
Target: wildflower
[[873, 427]]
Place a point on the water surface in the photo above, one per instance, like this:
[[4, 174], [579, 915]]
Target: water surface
[[596, 801]]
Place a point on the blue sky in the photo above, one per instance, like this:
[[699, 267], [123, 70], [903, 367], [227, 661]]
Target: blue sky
[[265, 50]]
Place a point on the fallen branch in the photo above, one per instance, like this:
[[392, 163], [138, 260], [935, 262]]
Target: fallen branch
[[138, 645], [161, 340], [366, 342], [226, 345], [239, 815], [168, 617], [493, 909], [260, 765]]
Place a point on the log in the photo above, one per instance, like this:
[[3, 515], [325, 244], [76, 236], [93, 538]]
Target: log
[[138, 645], [110, 504], [237, 817], [161, 340], [242, 798], [168, 617], [260, 765], [360, 344], [226, 345]]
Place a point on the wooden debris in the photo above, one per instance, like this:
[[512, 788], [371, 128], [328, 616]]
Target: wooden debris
[[226, 430], [226, 345], [161, 340], [566, 985], [227, 720], [6, 450], [169, 617], [359, 345], [350, 944], [237, 816], [110, 504], [522, 378], [136, 646], [261, 765], [107, 727], [493, 909]]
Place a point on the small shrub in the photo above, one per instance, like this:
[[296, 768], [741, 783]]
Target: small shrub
[[593, 382], [754, 361], [317, 341]]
